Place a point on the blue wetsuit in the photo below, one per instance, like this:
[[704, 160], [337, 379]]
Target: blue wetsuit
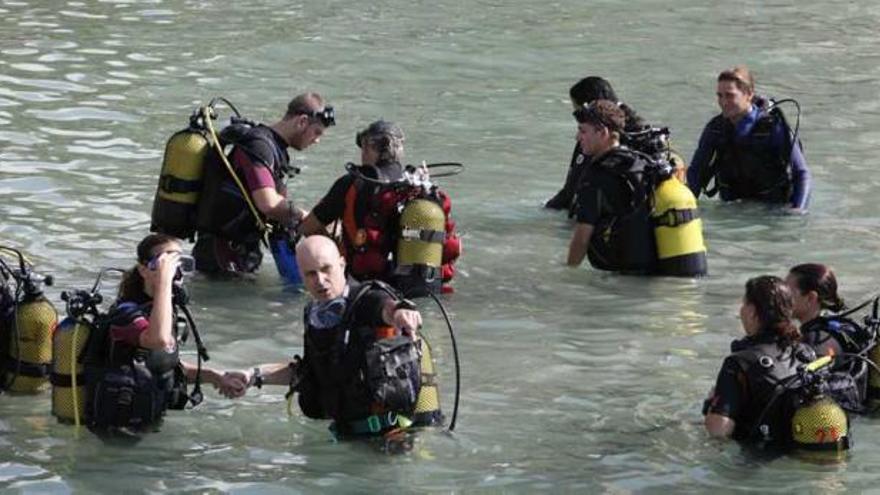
[[760, 141]]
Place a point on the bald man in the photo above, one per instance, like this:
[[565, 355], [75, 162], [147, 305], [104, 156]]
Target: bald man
[[341, 331]]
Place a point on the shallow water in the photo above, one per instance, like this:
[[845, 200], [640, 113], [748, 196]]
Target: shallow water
[[573, 380]]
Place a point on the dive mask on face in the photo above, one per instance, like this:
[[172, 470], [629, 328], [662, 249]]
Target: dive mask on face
[[326, 115], [327, 314]]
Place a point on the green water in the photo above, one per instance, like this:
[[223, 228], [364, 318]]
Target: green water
[[573, 380]]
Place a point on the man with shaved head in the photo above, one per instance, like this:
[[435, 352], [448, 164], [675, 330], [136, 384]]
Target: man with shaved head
[[349, 327]]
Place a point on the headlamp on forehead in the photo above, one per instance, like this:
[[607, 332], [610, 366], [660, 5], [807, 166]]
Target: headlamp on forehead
[[326, 115]]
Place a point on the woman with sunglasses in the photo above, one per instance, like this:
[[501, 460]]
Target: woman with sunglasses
[[132, 366]]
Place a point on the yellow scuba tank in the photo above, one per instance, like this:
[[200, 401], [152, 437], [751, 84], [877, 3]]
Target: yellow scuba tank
[[420, 247], [427, 411], [180, 181], [820, 425], [678, 230], [68, 382], [30, 345]]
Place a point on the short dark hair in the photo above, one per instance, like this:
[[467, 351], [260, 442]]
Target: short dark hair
[[590, 89], [604, 113], [304, 104], [740, 76]]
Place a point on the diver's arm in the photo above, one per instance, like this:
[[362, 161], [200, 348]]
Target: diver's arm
[[209, 375], [159, 334], [801, 180], [700, 161], [276, 206], [271, 373], [719, 426], [580, 241], [311, 225]]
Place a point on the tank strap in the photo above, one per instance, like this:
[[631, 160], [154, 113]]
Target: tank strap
[[64, 381], [841, 444], [24, 368], [673, 217], [169, 183], [436, 236]]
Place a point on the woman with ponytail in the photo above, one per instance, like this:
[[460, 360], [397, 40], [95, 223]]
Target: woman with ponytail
[[743, 403], [814, 287], [816, 306], [134, 371]]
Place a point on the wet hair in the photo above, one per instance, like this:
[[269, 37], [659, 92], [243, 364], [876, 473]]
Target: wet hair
[[740, 76], [590, 89], [603, 113], [304, 104], [820, 279], [131, 288], [773, 302], [386, 138]]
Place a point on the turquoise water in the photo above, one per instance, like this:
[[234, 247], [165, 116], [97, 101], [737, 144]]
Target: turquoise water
[[573, 380]]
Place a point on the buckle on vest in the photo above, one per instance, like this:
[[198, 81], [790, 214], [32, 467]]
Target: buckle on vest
[[374, 424]]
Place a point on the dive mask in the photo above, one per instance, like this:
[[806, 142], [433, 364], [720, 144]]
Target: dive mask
[[326, 115], [327, 314]]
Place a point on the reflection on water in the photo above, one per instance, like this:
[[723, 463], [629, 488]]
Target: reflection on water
[[571, 378]]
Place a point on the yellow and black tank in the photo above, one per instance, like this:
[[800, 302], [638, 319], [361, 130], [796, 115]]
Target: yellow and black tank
[[420, 248], [678, 231], [30, 345], [821, 424], [427, 411], [68, 381], [180, 182]]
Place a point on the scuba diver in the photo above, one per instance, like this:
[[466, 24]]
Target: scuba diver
[[768, 392], [636, 135], [364, 364], [375, 202], [827, 330], [633, 216], [230, 224], [584, 92], [132, 369], [749, 150]]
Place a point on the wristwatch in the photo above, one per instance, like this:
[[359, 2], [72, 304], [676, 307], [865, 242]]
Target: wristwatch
[[257, 377]]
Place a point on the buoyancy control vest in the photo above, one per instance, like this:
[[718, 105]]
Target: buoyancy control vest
[[223, 210], [354, 370], [751, 167], [128, 386], [194, 172], [789, 407], [399, 230], [834, 334], [659, 232]]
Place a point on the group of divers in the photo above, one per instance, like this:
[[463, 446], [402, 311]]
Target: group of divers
[[383, 235]]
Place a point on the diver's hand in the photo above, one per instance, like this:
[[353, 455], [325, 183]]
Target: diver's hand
[[408, 320], [165, 265], [233, 384]]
